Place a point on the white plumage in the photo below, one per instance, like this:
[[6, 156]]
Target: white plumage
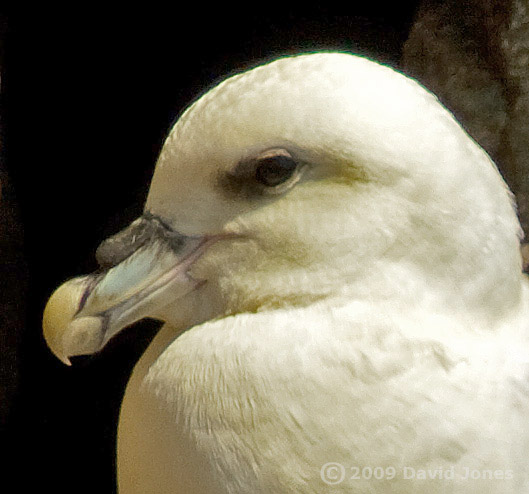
[[369, 309]]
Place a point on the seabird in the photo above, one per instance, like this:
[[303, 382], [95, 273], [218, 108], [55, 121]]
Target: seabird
[[337, 265]]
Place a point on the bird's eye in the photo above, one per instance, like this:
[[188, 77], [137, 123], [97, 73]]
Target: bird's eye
[[274, 170], [270, 173]]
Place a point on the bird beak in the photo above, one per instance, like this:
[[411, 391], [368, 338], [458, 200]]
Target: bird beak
[[143, 268]]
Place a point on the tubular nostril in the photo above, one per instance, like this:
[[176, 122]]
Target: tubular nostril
[[122, 245], [117, 248]]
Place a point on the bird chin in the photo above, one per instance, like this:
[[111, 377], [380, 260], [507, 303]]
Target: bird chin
[[85, 313]]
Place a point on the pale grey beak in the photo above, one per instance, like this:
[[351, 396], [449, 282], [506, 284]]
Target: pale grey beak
[[143, 268]]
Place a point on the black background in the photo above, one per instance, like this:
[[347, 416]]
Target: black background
[[88, 96]]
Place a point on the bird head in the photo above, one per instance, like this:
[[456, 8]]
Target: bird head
[[309, 177]]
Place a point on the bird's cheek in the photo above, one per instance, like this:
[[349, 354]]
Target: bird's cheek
[[183, 312]]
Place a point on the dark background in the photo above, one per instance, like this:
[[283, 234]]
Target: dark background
[[87, 97]]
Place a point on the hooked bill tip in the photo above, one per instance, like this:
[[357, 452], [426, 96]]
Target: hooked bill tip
[[59, 315]]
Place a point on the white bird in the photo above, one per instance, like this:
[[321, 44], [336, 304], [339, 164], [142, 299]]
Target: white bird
[[337, 264]]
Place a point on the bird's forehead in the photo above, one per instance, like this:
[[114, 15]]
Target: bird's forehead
[[280, 81], [296, 100]]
